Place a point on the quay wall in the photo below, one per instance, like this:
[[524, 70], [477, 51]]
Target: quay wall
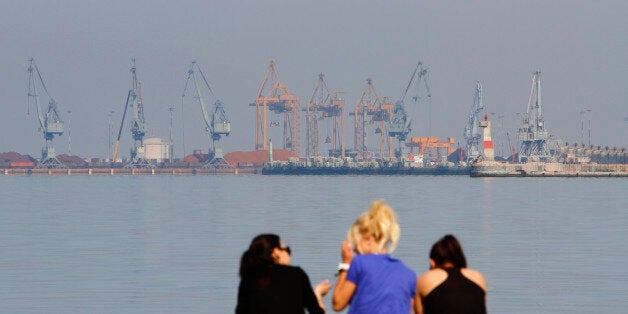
[[304, 170], [126, 171], [547, 169]]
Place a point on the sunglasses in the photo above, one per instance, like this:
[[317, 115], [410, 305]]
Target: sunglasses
[[286, 249]]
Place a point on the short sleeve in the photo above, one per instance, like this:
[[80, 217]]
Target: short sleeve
[[355, 268]]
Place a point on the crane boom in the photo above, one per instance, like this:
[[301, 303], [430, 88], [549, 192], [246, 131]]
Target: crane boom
[[201, 102], [115, 150]]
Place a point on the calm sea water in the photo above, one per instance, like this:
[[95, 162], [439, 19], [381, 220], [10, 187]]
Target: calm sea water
[[171, 244]]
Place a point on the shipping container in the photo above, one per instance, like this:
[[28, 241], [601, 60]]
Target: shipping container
[[21, 164]]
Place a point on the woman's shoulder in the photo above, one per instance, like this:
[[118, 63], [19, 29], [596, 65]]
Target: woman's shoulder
[[430, 280], [401, 265], [436, 274], [474, 276], [288, 268]]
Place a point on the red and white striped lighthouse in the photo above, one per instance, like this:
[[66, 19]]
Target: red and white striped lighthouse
[[489, 152]]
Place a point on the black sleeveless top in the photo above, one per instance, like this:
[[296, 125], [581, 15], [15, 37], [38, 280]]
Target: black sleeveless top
[[456, 294]]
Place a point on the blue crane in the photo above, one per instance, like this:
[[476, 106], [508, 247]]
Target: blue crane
[[401, 123], [472, 132], [138, 124], [50, 123], [217, 124]]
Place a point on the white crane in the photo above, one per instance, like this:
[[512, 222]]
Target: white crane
[[50, 123], [217, 124], [472, 133], [534, 137]]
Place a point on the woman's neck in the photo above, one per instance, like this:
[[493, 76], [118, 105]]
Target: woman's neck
[[375, 251]]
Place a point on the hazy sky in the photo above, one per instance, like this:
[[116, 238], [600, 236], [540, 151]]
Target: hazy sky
[[83, 49]]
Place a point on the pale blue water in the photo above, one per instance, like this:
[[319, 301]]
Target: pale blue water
[[171, 244]]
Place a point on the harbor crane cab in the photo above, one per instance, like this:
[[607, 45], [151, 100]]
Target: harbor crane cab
[[401, 123], [217, 124], [138, 124], [50, 123]]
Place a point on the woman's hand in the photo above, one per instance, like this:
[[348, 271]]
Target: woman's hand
[[320, 291], [346, 252], [322, 288]]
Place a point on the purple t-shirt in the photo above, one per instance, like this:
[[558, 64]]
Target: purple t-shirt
[[384, 284]]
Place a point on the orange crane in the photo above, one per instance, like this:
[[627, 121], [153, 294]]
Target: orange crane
[[380, 111], [274, 96], [322, 104]]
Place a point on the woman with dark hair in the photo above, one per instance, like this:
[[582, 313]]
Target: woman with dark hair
[[449, 286], [270, 285]]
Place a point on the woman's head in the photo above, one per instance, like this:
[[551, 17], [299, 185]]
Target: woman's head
[[447, 250], [264, 251], [376, 230]]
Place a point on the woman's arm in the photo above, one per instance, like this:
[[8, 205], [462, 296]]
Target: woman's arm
[[417, 303], [343, 292], [344, 289], [312, 298]]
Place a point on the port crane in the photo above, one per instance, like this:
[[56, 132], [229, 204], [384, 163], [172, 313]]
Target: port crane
[[401, 123], [472, 132], [370, 104], [50, 123], [532, 133], [323, 104], [217, 124], [274, 96], [138, 124]]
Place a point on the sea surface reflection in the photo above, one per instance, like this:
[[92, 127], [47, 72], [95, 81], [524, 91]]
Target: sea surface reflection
[[171, 244]]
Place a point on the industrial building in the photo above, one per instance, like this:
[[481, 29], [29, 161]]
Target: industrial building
[[157, 150]]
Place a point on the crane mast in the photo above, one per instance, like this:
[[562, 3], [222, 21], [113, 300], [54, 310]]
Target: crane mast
[[138, 123], [472, 133], [217, 124], [50, 123]]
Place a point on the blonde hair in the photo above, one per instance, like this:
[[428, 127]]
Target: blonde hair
[[380, 222]]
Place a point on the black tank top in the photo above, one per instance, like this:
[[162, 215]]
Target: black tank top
[[456, 294]]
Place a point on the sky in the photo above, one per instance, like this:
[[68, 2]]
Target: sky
[[83, 50]]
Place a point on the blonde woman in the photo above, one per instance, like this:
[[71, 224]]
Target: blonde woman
[[371, 280]]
